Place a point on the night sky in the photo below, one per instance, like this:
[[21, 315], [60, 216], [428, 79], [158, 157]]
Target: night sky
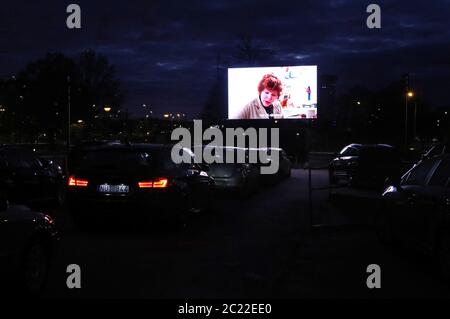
[[165, 52]]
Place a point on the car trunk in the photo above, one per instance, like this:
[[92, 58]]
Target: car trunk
[[222, 170]]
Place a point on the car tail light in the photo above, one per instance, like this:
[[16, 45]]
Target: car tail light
[[156, 183], [73, 181], [49, 219]]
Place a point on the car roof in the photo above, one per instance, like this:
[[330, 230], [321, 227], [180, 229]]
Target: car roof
[[137, 146], [359, 146], [370, 146]]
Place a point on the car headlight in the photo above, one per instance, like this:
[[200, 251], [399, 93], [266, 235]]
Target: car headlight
[[390, 189]]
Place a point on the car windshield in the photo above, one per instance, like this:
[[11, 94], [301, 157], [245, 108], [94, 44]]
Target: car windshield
[[349, 151]]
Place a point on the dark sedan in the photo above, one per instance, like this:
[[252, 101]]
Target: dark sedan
[[138, 179], [416, 210], [26, 243], [28, 179], [364, 165], [232, 176]]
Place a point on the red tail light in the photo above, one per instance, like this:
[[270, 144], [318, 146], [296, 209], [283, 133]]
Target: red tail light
[[145, 184], [77, 182], [160, 183], [156, 183]]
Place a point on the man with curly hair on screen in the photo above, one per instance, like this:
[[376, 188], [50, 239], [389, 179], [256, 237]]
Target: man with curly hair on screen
[[266, 105]]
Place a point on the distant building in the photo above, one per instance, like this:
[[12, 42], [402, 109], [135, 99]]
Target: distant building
[[327, 98]]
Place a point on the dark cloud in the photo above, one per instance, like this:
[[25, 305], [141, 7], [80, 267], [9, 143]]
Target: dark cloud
[[165, 52]]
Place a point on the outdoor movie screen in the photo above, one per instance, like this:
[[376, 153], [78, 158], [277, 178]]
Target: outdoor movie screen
[[287, 92]]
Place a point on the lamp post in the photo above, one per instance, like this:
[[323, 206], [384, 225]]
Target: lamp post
[[409, 94], [415, 118], [68, 113], [68, 123]]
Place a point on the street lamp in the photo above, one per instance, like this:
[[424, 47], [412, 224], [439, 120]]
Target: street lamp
[[107, 109], [409, 94]]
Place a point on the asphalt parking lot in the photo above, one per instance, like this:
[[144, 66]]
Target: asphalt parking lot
[[273, 244]]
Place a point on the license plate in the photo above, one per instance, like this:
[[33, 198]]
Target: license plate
[[106, 188]]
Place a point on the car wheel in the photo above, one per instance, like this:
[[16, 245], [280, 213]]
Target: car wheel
[[383, 228], [34, 268], [443, 254]]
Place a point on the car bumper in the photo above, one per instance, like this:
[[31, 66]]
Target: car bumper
[[157, 205]]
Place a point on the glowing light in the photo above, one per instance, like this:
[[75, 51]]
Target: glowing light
[[77, 182], [157, 183]]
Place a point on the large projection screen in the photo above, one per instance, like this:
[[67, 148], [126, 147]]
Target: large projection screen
[[297, 100]]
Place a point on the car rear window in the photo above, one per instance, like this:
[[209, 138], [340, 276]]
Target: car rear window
[[117, 159]]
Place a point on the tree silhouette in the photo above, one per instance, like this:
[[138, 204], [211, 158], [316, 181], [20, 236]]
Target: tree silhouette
[[250, 52], [98, 84], [45, 91], [45, 85]]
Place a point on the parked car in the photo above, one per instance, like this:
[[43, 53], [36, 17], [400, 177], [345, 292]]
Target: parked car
[[77, 151], [364, 165], [27, 240], [416, 210], [241, 177], [139, 178], [436, 150], [28, 179], [284, 165]]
